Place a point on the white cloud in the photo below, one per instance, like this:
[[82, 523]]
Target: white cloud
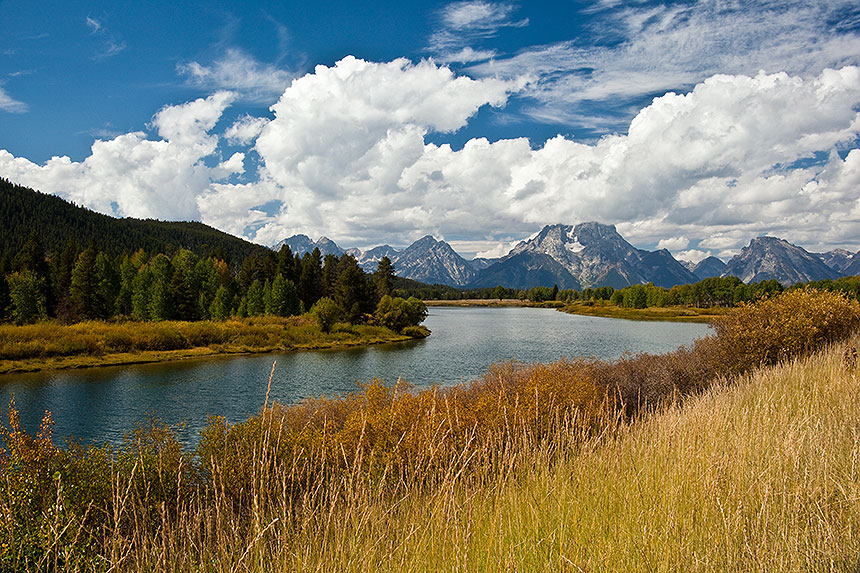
[[464, 24], [10, 104], [240, 73], [110, 45], [673, 243], [342, 137], [480, 15], [692, 255], [346, 155], [93, 24], [643, 50], [245, 129], [131, 175]]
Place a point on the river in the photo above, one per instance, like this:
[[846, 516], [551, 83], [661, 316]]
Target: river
[[102, 404]]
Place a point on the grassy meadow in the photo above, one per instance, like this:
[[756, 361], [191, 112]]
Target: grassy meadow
[[669, 313], [738, 453], [51, 344]]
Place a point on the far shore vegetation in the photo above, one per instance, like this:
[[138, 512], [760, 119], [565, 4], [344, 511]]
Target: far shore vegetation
[[736, 453], [698, 302], [50, 345], [72, 308]]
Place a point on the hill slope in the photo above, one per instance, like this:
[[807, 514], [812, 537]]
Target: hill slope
[[23, 210]]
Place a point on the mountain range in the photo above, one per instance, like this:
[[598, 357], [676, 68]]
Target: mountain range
[[582, 256], [590, 255]]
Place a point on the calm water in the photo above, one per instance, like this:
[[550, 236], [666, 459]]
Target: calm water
[[102, 404]]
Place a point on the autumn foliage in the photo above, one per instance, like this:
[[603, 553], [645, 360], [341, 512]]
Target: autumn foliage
[[64, 506]]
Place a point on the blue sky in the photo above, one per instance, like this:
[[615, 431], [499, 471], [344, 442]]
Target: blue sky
[[690, 125]]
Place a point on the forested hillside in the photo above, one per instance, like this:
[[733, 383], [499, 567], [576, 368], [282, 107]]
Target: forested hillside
[[66, 262], [23, 210]]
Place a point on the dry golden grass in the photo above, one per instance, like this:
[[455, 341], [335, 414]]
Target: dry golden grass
[[96, 343], [531, 468]]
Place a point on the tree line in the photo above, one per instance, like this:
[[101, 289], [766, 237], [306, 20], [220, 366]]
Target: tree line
[[715, 291], [58, 221], [73, 284]]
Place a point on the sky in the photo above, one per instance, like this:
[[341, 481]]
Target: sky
[[690, 125]]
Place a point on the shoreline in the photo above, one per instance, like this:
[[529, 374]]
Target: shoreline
[[661, 314], [280, 341], [32, 365]]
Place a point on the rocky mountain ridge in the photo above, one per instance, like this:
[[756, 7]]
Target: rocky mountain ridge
[[587, 255]]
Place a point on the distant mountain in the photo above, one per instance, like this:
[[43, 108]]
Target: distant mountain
[[431, 261], [838, 259], [591, 254], [369, 259], [301, 244], [853, 268], [23, 210], [480, 263], [768, 258], [709, 267], [525, 270]]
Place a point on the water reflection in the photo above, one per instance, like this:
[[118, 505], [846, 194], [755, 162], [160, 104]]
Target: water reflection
[[102, 403]]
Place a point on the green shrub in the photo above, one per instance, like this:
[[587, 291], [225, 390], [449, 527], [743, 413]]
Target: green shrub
[[419, 331]]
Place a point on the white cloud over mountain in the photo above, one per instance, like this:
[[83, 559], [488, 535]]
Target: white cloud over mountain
[[347, 155], [131, 175]]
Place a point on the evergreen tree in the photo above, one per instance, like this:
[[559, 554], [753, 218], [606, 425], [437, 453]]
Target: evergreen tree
[[283, 299], [383, 278], [107, 287], [83, 291], [5, 301], [287, 264], [32, 258], [184, 285], [160, 304], [351, 293], [310, 282], [330, 274], [220, 308], [140, 293], [62, 279], [255, 300]]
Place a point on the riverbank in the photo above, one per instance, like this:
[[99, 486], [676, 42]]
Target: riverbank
[[489, 302], [736, 454], [597, 308], [53, 346], [668, 313]]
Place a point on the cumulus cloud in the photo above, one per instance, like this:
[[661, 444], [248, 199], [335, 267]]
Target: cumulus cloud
[[346, 154], [131, 175], [240, 73], [245, 129], [673, 243], [342, 137]]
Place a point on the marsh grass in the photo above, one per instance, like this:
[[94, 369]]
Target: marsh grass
[[712, 464], [51, 344]]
